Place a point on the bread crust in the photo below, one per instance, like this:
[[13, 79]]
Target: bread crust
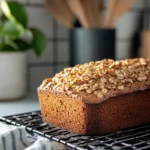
[[95, 82], [73, 114]]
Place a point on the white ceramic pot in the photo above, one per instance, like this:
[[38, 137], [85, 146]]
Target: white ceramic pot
[[13, 75]]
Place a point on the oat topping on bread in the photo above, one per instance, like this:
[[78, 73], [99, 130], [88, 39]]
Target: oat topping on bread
[[103, 79]]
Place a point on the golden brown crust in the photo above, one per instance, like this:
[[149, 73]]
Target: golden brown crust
[[95, 82], [119, 112], [98, 97]]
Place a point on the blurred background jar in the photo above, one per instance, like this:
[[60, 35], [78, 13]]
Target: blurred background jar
[[15, 39]]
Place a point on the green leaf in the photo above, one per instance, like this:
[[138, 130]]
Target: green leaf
[[22, 45], [3, 18], [15, 12], [6, 10], [38, 42], [19, 12], [8, 47], [10, 29]]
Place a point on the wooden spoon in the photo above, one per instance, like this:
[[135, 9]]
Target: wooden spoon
[[97, 6], [89, 11], [78, 10], [60, 10], [116, 8], [122, 7], [110, 12]]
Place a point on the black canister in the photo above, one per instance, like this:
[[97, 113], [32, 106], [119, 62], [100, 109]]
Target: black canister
[[91, 45]]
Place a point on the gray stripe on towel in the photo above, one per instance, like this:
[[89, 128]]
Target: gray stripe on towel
[[4, 142], [13, 140], [21, 138]]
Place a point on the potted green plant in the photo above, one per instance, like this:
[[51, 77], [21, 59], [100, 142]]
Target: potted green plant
[[15, 39]]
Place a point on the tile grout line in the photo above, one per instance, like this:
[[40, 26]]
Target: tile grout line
[[54, 44]]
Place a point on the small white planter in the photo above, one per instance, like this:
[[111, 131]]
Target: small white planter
[[13, 74]]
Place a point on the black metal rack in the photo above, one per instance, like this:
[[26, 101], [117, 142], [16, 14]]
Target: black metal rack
[[137, 138]]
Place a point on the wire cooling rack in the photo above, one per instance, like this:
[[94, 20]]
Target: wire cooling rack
[[137, 138]]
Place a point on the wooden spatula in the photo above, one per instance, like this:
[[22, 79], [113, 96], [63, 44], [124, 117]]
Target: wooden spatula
[[60, 10], [118, 8], [88, 7], [122, 7], [79, 11], [92, 9], [110, 12], [97, 6]]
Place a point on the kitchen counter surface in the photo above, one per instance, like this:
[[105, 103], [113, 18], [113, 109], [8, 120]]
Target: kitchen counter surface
[[27, 104]]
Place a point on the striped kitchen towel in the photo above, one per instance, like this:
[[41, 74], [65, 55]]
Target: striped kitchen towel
[[16, 138]]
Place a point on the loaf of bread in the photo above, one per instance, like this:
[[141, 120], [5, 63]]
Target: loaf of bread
[[98, 97]]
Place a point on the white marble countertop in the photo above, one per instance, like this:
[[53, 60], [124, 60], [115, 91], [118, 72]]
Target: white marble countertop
[[27, 104]]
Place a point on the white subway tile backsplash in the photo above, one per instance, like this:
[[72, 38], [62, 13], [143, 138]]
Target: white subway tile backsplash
[[61, 67], [47, 55], [138, 4], [39, 17], [127, 24], [36, 1], [123, 50], [63, 52], [37, 75], [22, 1]]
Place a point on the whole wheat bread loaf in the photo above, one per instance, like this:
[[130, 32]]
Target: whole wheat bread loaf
[[98, 97]]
